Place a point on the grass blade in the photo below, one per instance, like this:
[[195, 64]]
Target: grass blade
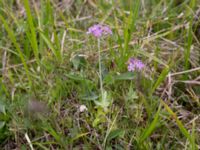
[[188, 46], [130, 25], [163, 75], [179, 124], [33, 36], [161, 78], [147, 132], [56, 52], [14, 41], [193, 145]]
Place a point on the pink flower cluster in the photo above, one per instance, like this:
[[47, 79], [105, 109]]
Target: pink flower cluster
[[99, 30], [135, 64]]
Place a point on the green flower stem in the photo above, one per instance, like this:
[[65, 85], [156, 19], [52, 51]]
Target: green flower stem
[[100, 73]]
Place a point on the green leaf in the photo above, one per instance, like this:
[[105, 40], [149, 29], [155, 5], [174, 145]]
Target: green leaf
[[99, 117], [78, 61], [147, 132], [125, 76], [131, 94], [79, 136], [57, 136], [105, 101], [90, 97], [75, 77], [115, 133], [2, 124], [109, 79], [2, 108]]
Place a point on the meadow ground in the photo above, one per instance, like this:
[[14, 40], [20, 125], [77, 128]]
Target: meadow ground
[[133, 86]]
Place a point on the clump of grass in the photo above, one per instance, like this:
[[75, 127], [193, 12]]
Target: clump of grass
[[46, 54]]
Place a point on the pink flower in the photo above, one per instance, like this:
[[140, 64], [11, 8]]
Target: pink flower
[[99, 30], [135, 64]]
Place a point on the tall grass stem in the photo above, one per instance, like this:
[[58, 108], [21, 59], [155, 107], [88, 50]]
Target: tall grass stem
[[100, 70]]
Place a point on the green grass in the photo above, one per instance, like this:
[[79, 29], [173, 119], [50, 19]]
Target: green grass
[[50, 67]]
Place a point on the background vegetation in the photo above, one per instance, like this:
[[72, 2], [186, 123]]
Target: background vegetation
[[49, 70]]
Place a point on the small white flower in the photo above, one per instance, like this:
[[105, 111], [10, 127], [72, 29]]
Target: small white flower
[[166, 18], [180, 15], [187, 25], [82, 108]]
